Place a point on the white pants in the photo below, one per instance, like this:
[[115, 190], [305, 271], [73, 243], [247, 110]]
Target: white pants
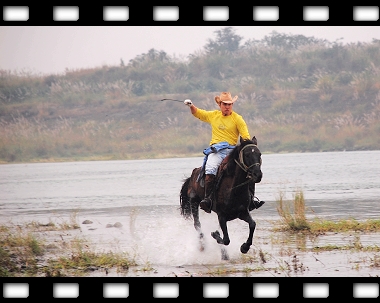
[[214, 160]]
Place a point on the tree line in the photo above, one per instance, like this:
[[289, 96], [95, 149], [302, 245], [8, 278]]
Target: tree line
[[297, 94]]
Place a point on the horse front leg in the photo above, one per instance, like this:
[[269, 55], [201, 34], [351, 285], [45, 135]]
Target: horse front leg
[[252, 226]]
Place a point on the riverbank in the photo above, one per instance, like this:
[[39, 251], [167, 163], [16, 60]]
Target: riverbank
[[94, 249]]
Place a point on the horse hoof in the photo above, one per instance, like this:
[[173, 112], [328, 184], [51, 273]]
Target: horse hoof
[[215, 235], [244, 248]]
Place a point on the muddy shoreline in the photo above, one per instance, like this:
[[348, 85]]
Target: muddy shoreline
[[273, 254]]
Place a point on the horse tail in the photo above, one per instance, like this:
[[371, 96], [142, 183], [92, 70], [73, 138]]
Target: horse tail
[[185, 200]]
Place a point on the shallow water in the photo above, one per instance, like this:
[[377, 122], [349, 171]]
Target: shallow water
[[334, 184]]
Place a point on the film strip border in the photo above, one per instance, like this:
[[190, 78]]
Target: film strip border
[[190, 14], [191, 288]]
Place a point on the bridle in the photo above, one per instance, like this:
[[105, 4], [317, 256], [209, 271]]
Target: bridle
[[241, 163], [244, 166]]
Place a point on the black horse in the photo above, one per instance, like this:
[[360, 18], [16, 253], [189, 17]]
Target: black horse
[[233, 192]]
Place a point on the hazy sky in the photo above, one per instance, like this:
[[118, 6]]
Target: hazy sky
[[52, 49]]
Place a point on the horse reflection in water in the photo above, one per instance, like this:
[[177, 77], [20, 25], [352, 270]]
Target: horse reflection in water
[[233, 193]]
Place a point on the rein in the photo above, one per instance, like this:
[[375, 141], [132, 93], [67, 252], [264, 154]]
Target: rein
[[243, 166]]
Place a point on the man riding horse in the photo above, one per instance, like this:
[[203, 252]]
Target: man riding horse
[[226, 127]]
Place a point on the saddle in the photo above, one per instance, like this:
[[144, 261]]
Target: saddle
[[222, 167], [211, 149]]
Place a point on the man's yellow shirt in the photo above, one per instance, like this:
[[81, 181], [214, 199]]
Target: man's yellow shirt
[[224, 128]]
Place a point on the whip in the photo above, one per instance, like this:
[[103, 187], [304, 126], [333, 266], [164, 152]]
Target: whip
[[172, 100]]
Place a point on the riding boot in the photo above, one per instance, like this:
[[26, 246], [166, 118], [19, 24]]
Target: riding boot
[[253, 204], [206, 203]]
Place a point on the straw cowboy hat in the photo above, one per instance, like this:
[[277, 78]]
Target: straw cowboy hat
[[225, 97]]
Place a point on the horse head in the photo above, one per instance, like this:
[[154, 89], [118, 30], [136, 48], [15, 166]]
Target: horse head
[[250, 158]]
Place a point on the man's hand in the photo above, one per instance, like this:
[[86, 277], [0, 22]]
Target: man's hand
[[188, 102]]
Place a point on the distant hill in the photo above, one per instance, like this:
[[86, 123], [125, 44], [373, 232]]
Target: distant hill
[[297, 94]]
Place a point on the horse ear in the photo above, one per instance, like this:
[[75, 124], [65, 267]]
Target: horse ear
[[239, 141], [254, 140]]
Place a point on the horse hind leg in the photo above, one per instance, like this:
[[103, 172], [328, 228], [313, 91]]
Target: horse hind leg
[[197, 225], [200, 235], [219, 240], [223, 249], [223, 226]]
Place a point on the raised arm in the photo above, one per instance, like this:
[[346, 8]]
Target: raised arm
[[190, 104]]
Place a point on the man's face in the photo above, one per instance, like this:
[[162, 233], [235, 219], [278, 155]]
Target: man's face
[[226, 108]]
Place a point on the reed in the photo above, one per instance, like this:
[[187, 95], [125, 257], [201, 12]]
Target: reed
[[292, 212]]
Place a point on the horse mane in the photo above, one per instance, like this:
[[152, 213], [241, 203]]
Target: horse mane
[[231, 164]]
